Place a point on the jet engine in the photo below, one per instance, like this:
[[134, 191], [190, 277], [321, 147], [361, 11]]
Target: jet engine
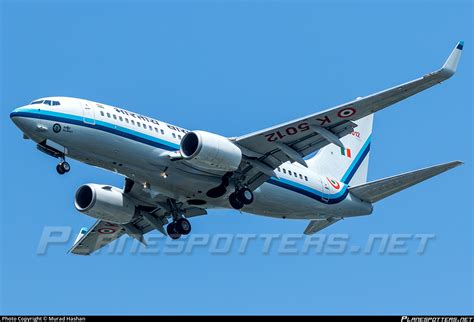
[[104, 202], [210, 151]]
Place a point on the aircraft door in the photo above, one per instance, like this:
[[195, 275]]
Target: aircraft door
[[88, 113], [325, 190]]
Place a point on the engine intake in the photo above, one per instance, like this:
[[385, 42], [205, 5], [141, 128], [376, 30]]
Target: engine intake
[[104, 202], [210, 151]]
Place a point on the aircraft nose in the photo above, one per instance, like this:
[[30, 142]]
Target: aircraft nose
[[29, 123], [18, 117], [15, 112], [15, 115]]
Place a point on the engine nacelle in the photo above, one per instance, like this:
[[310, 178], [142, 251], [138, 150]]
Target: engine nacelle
[[104, 202], [210, 151]]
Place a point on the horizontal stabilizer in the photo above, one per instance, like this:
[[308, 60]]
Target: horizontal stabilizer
[[316, 225], [380, 189]]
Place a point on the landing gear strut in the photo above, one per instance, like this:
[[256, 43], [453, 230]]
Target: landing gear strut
[[63, 167], [240, 198], [180, 225]]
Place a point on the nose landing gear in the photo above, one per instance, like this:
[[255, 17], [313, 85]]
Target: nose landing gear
[[63, 167]]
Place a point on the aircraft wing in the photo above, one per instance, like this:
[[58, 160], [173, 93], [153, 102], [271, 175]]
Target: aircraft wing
[[103, 232], [152, 213], [98, 236], [292, 141]]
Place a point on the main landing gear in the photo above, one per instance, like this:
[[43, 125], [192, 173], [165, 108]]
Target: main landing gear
[[63, 167], [240, 198], [180, 225], [178, 228]]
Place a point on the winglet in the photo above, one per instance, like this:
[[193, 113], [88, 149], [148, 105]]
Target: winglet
[[81, 234], [449, 67]]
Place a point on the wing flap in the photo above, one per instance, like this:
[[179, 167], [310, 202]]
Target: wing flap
[[380, 189]]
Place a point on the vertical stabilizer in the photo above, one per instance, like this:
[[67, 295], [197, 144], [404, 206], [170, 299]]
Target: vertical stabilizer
[[349, 164]]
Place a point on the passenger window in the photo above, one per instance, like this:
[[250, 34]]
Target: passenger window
[[126, 120], [284, 171], [102, 113], [108, 115], [306, 178], [162, 132], [156, 129], [179, 136], [289, 172], [121, 119], [138, 124], [278, 169], [150, 128], [115, 117], [47, 102], [133, 122], [174, 135], [301, 177], [144, 126], [296, 175]]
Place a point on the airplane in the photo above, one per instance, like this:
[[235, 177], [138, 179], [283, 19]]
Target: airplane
[[312, 168]]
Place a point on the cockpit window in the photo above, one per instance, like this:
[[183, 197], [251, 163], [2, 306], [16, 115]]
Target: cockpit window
[[47, 102]]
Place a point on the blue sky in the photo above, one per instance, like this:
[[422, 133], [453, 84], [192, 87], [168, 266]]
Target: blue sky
[[233, 67]]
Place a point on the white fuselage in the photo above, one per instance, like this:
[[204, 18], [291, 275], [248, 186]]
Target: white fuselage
[[138, 147]]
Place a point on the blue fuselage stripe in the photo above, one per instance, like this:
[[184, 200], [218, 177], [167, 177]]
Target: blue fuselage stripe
[[357, 162], [312, 193], [103, 126], [169, 146]]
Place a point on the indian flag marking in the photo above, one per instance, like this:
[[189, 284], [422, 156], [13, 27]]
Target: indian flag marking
[[346, 152]]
